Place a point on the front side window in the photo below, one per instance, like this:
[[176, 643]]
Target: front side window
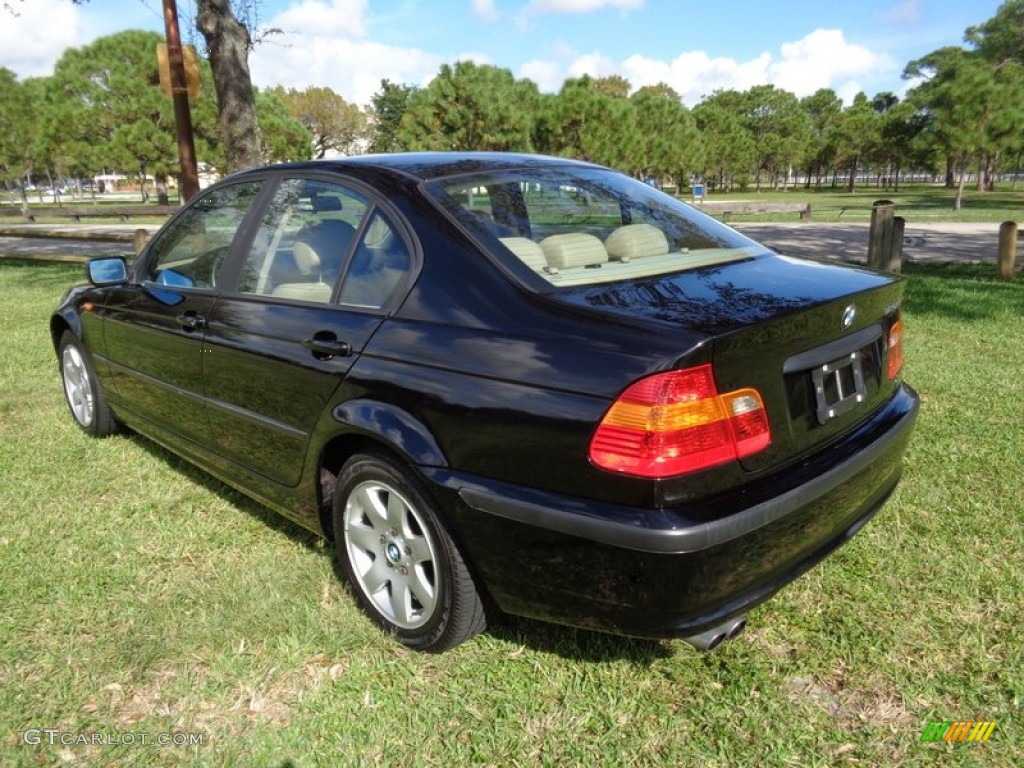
[[302, 243], [582, 226], [189, 253]]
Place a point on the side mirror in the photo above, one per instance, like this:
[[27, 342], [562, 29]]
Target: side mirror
[[107, 270]]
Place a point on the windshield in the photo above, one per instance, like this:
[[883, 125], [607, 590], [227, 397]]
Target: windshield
[[581, 226]]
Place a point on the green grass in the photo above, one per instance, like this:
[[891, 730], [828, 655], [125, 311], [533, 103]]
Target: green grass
[[141, 596]]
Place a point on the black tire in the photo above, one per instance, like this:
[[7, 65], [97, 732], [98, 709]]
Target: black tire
[[403, 567], [82, 391]]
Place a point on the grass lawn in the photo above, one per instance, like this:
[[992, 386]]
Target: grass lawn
[[142, 597]]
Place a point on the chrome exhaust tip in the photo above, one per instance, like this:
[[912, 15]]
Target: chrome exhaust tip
[[738, 625], [710, 639]]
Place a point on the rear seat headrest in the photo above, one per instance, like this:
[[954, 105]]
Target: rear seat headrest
[[635, 241], [527, 251], [573, 249]]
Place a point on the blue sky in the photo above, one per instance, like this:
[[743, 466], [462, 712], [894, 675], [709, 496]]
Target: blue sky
[[696, 47]]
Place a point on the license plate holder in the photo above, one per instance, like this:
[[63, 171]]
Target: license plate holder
[[838, 386]]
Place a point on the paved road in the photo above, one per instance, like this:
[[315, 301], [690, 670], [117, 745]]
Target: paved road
[[924, 242]]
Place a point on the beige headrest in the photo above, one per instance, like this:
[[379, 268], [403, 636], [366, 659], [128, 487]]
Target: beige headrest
[[527, 251], [573, 249], [634, 241], [306, 259]]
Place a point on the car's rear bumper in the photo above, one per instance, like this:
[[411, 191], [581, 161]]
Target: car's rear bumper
[[665, 572]]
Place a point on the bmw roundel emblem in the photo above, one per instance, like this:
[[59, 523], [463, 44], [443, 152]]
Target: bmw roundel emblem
[[848, 314]]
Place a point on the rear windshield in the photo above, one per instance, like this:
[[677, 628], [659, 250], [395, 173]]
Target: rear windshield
[[582, 226]]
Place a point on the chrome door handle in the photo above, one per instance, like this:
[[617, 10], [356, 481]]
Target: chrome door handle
[[324, 347], [191, 321]]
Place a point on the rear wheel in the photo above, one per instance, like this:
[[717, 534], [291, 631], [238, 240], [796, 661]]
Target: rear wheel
[[405, 570], [82, 389]]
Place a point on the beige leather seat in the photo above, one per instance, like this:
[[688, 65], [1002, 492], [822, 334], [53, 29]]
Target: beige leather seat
[[635, 241], [308, 263], [573, 249], [319, 292]]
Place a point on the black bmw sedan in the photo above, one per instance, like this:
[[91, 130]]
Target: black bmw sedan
[[505, 382]]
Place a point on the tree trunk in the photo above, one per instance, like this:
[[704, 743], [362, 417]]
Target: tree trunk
[[161, 189], [958, 200], [228, 43], [852, 185], [950, 182]]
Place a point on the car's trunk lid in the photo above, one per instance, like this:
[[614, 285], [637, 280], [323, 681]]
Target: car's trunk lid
[[811, 338]]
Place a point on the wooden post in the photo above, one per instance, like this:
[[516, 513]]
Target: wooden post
[[140, 239], [880, 239], [188, 186], [896, 244], [1007, 249]]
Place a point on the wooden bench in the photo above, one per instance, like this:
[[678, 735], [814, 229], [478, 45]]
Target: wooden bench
[[78, 212], [727, 209]]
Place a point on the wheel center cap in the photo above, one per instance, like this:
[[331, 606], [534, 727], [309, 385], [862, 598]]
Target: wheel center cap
[[394, 554]]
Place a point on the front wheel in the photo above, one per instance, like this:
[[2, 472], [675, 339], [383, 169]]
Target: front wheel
[[405, 570], [82, 389]]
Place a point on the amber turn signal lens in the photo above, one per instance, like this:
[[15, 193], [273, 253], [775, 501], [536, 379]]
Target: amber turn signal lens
[[895, 361]]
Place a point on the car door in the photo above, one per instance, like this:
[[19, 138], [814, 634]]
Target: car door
[[324, 265], [154, 326]]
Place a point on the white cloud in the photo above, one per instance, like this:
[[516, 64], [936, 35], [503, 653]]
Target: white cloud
[[485, 9], [695, 75], [580, 6], [904, 12], [823, 59], [32, 41], [326, 44], [352, 68], [848, 90], [593, 64], [548, 75], [344, 18]]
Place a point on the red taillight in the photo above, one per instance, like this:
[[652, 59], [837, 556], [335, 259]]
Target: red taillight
[[676, 422], [895, 364]]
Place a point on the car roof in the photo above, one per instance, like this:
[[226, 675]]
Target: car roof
[[425, 166]]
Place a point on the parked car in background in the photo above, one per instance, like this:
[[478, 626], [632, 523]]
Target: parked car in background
[[505, 381]]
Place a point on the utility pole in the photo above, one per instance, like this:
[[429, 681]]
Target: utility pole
[[189, 181]]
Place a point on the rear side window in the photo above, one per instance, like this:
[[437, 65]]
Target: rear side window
[[303, 241], [581, 226], [379, 264]]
